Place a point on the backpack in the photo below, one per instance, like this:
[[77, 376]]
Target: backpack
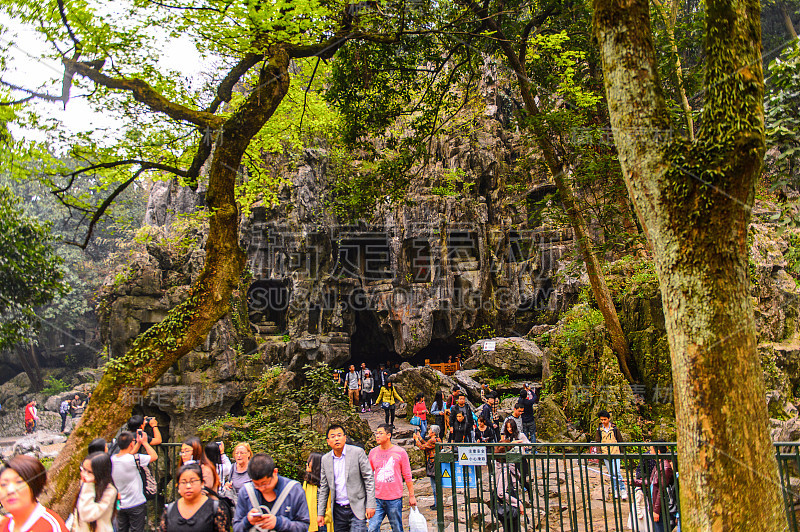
[[221, 501], [672, 497], [148, 481], [64, 407]]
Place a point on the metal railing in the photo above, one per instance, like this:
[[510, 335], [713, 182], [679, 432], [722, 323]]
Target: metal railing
[[568, 487], [165, 471]]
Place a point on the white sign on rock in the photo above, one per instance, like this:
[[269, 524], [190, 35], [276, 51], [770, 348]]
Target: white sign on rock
[[489, 346]]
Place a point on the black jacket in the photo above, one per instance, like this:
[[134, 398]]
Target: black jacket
[[468, 418]]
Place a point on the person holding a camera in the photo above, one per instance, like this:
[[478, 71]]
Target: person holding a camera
[[138, 424], [132, 515]]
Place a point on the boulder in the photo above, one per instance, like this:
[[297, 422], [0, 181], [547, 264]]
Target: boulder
[[785, 431], [27, 445], [332, 412], [507, 406], [468, 384], [511, 356], [12, 393], [409, 382], [551, 423], [54, 401]]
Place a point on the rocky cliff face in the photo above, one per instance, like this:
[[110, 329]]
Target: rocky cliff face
[[407, 283]]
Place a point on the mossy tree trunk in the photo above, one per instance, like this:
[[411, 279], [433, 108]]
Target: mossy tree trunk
[[695, 199], [562, 172], [188, 324]]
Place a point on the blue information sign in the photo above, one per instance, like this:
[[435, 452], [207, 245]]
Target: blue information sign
[[447, 476]]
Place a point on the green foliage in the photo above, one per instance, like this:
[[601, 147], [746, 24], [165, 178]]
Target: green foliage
[[792, 253], [30, 270], [359, 185], [451, 183], [782, 120], [318, 384], [278, 428], [499, 381], [274, 429], [54, 386], [470, 336]]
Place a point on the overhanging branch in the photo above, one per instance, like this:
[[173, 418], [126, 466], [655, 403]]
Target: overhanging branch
[[144, 93]]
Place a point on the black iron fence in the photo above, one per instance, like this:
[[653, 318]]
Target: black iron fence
[[579, 487], [553, 487], [165, 471]]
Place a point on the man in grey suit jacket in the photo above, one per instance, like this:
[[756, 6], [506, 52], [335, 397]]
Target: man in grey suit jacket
[[347, 479]]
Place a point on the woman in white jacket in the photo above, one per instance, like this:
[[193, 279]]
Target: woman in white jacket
[[97, 497]]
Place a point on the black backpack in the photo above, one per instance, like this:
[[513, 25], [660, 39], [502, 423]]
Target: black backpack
[[672, 497], [225, 503]]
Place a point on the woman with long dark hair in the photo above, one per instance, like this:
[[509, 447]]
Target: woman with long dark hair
[[438, 412], [194, 511], [21, 482], [311, 487], [484, 433], [212, 452], [192, 452], [96, 503]]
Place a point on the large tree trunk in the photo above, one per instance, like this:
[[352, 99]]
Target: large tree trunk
[[27, 357], [787, 21], [561, 175], [695, 199], [188, 324]]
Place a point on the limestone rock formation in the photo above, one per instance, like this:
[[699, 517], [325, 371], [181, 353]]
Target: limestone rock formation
[[511, 356], [551, 422], [412, 381], [464, 378]]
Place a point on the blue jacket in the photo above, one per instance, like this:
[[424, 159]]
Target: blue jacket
[[292, 516]]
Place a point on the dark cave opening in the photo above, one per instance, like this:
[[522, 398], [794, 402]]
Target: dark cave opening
[[368, 342], [267, 301]]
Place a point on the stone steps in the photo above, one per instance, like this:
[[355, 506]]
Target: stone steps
[[267, 329]]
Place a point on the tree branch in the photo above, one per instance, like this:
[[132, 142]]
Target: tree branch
[[225, 89], [104, 207], [144, 93], [305, 96], [63, 14]]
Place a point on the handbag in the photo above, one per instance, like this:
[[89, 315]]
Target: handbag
[[507, 514], [415, 421]]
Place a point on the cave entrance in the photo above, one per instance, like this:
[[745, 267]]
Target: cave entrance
[[368, 342], [268, 301]]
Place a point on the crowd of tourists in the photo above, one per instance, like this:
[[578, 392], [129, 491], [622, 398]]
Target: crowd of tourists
[[342, 490]]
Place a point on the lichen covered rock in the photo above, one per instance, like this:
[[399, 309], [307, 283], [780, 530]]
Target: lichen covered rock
[[513, 356]]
